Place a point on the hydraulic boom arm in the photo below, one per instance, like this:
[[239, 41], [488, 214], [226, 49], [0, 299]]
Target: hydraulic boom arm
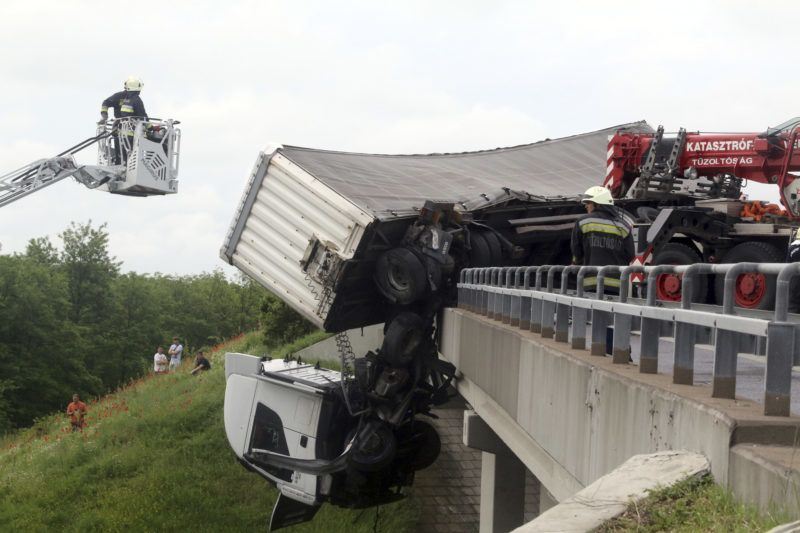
[[705, 165], [151, 165]]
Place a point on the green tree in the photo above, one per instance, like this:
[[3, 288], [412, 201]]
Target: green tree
[[89, 268], [42, 356], [281, 323], [42, 251], [70, 322]]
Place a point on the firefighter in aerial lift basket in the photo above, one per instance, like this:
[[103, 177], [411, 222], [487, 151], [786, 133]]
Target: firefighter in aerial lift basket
[[127, 105]]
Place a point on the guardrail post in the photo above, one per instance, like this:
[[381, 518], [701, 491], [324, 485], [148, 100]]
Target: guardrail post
[[562, 309], [461, 292], [580, 315], [477, 291], [601, 320], [474, 289], [498, 295], [549, 307], [600, 323], [505, 312], [726, 344], [500, 300], [683, 366], [489, 296], [536, 303], [778, 375], [525, 301], [470, 292], [621, 349], [781, 347], [725, 359], [516, 299], [487, 282], [493, 282], [650, 335]]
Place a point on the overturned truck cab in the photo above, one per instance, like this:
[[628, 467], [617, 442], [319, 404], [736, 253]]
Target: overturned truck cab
[[349, 240], [294, 424]]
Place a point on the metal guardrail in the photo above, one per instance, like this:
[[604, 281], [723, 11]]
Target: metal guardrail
[[527, 297]]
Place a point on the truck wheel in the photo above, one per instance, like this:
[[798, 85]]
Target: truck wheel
[[479, 254], [374, 452], [669, 286], [422, 442], [753, 290], [401, 276], [402, 339], [495, 250]]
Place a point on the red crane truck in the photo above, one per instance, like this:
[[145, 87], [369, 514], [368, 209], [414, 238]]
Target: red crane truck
[[688, 187]]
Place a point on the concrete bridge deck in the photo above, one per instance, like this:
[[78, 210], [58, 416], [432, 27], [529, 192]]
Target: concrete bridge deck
[[571, 417]]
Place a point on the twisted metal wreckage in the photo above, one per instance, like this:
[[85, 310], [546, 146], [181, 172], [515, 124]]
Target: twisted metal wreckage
[[349, 240]]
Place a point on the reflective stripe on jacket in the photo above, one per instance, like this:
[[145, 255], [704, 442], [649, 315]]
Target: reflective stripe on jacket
[[124, 104]]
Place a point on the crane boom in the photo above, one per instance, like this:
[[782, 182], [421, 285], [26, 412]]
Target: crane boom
[[705, 165]]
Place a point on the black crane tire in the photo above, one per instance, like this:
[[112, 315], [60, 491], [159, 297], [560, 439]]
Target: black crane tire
[[753, 290], [423, 443], [495, 250], [402, 339], [400, 276], [376, 453], [479, 254], [669, 286]]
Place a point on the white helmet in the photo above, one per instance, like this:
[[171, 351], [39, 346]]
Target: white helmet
[[133, 84], [597, 194]]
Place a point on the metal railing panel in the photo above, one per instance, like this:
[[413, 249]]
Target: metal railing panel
[[535, 299]]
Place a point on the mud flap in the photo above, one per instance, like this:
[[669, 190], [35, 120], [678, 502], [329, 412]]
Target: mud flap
[[288, 512]]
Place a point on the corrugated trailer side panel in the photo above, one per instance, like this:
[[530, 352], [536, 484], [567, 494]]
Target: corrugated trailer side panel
[[283, 210]]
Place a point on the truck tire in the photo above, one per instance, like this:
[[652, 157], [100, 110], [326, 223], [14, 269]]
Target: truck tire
[[400, 276], [479, 254], [753, 290], [669, 287], [402, 339], [420, 443], [376, 452], [495, 250]]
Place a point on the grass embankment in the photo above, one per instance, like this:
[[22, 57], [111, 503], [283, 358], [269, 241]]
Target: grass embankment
[[696, 504], [154, 457]]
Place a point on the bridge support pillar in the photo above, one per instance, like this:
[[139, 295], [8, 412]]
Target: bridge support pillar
[[502, 478]]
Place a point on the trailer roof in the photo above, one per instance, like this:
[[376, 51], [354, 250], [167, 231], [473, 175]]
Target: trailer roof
[[388, 185]]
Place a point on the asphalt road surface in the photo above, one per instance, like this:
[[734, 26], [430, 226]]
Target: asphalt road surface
[[749, 374]]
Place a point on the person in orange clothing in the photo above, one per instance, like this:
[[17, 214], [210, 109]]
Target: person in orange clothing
[[76, 412]]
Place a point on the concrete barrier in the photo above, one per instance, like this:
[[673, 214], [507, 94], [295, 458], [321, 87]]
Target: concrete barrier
[[572, 418]]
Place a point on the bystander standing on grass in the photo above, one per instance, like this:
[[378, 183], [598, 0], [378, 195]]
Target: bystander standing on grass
[[160, 361], [76, 411], [175, 354]]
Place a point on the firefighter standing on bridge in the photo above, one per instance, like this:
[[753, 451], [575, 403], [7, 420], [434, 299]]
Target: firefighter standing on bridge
[[126, 104], [602, 236]]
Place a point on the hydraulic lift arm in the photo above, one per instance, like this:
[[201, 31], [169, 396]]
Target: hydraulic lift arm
[[705, 165], [151, 166]]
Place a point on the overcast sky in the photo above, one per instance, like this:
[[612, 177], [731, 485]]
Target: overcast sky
[[391, 77]]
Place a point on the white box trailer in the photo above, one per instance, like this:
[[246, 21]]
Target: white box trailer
[[311, 223]]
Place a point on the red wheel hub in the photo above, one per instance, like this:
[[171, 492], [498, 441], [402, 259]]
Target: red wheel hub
[[750, 289], [668, 287]]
